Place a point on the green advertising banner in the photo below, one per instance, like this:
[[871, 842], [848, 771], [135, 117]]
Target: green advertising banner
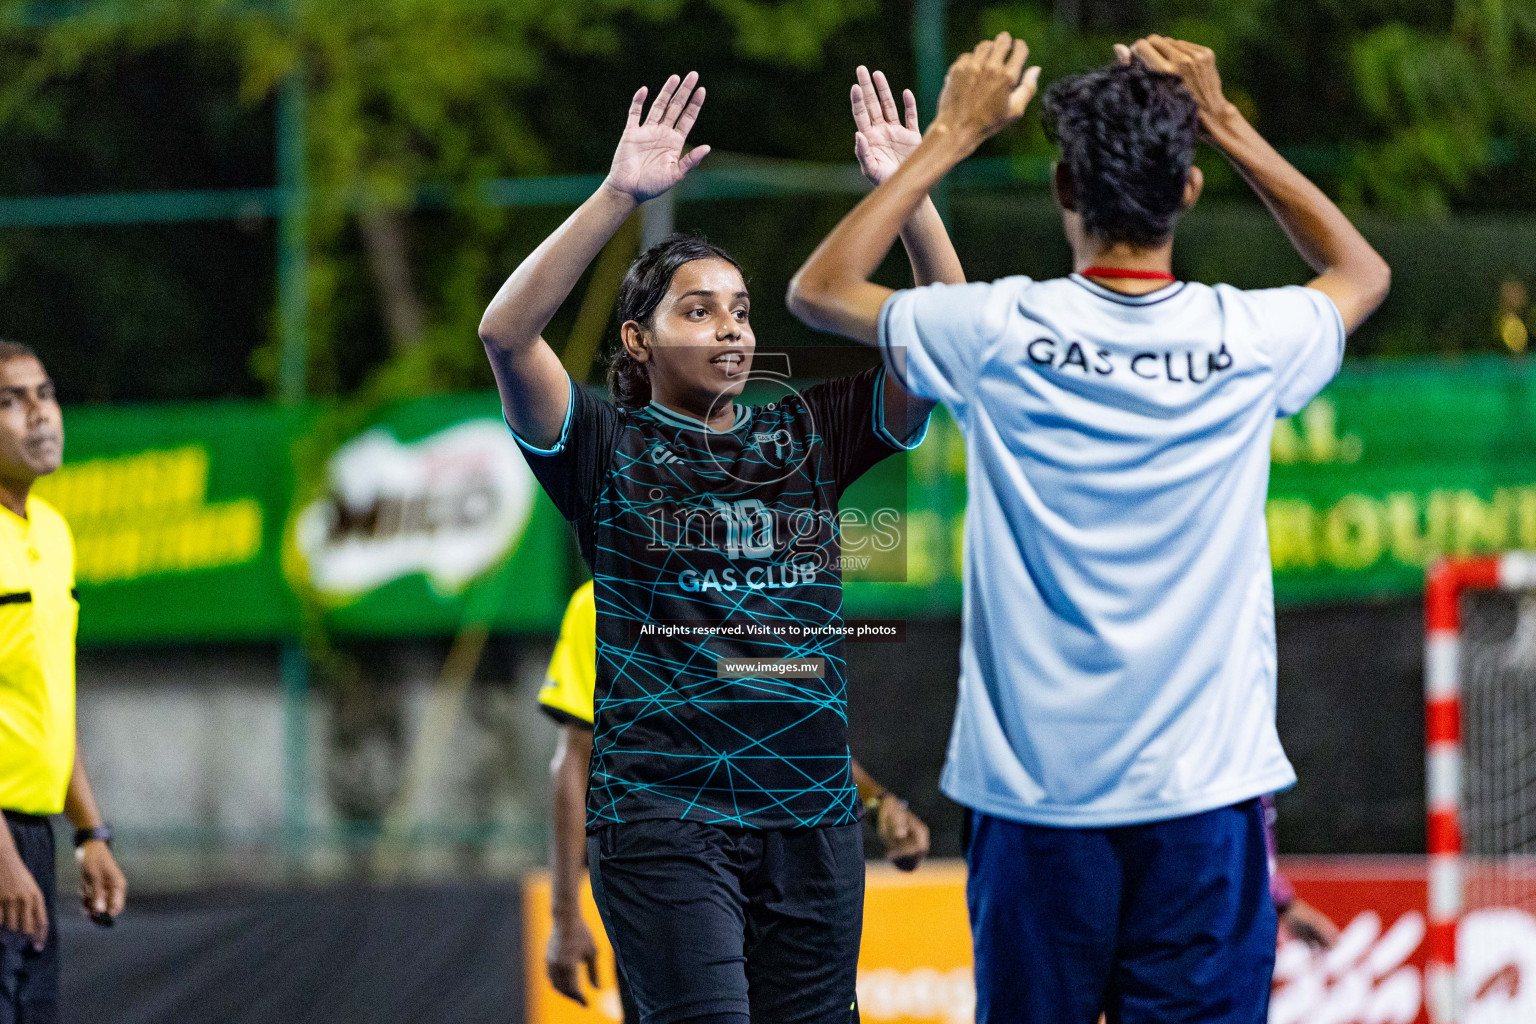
[[190, 523], [1393, 467], [427, 521], [188, 526], [178, 514]]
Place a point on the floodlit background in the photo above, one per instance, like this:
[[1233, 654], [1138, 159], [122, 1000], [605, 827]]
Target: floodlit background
[[252, 241]]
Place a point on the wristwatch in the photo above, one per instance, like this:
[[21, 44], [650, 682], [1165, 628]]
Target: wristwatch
[[102, 832]]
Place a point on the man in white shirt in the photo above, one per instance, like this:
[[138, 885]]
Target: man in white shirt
[[1116, 719]]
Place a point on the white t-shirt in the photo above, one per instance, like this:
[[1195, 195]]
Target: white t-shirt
[[1118, 662]]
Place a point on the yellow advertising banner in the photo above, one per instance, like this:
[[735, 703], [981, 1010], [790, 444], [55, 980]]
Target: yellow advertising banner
[[914, 964]]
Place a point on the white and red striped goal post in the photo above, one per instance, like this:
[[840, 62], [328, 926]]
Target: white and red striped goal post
[[1447, 580]]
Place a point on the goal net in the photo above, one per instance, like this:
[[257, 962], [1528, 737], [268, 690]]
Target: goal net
[[1480, 676]]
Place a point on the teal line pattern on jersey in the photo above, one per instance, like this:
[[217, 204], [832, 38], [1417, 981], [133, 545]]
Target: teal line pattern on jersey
[[732, 776]]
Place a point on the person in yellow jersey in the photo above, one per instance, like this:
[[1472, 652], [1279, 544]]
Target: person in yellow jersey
[[568, 697], [41, 772]]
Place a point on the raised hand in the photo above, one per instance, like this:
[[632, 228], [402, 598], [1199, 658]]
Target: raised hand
[[881, 141], [987, 89], [650, 158], [1193, 63]]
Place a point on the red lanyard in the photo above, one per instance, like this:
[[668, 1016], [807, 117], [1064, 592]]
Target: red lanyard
[[1118, 273]]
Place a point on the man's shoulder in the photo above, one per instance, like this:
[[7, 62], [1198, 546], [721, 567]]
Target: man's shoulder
[[970, 292], [47, 519], [975, 310], [581, 611]]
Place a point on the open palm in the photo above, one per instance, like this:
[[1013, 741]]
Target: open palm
[[881, 141], [650, 158]]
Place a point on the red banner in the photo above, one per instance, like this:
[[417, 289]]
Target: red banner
[[1375, 975]]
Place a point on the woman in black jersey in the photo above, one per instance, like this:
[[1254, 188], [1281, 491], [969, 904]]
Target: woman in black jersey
[[722, 818]]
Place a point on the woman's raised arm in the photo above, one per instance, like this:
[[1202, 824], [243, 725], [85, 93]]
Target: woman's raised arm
[[649, 160]]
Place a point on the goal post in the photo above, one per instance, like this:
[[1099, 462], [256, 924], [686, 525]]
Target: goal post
[[1480, 748]]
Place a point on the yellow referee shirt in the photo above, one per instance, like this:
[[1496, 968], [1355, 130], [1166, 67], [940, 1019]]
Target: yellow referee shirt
[[567, 694], [38, 616]]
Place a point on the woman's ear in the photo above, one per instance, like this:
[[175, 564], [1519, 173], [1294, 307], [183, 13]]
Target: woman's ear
[[635, 341], [1193, 183]]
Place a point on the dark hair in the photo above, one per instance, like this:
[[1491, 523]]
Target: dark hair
[[1127, 133], [15, 350], [645, 285]]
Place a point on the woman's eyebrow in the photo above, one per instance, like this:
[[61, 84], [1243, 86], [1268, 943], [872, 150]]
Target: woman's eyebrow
[[706, 293]]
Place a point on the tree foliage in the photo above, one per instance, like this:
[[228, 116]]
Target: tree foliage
[[1414, 107], [1408, 107], [400, 96]]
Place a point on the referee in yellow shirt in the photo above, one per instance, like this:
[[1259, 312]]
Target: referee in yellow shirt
[[568, 697], [41, 772]]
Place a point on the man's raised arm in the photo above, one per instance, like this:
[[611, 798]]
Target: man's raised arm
[[1349, 270], [986, 90]]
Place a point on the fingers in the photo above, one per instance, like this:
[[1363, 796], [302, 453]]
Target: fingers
[[93, 895], [1002, 48], [1156, 52], [677, 105], [868, 98], [664, 97], [679, 100], [995, 48], [909, 853], [103, 889], [690, 113], [692, 158], [37, 924], [591, 962], [1194, 51], [1019, 98], [887, 101], [636, 107], [566, 981], [1018, 53], [860, 148], [117, 894], [860, 111], [1173, 56], [901, 825], [916, 847], [1151, 56], [910, 102], [1165, 46]]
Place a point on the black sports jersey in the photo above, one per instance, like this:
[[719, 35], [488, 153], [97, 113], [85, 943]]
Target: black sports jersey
[[682, 525]]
